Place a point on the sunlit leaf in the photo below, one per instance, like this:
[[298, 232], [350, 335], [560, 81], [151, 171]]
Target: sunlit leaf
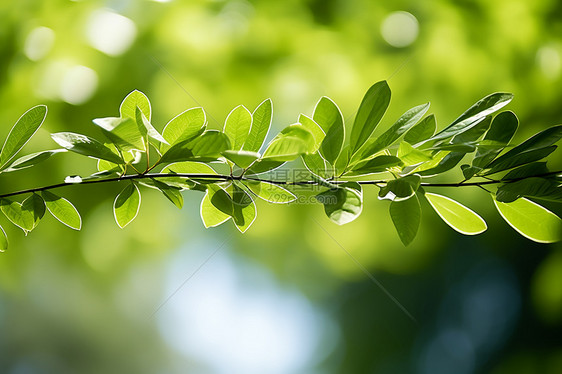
[[316, 164], [208, 146], [329, 117], [261, 123], [403, 124], [406, 217], [241, 158], [400, 189], [170, 192], [475, 114], [501, 131], [147, 130], [531, 220], [237, 126], [270, 192], [25, 215], [378, 164], [244, 209], [314, 128], [185, 126], [456, 215], [372, 109], [129, 105], [290, 143], [3, 240], [210, 214], [127, 205], [263, 166], [422, 131], [31, 160], [124, 133], [62, 210], [86, 146], [21, 132], [412, 156], [343, 204]]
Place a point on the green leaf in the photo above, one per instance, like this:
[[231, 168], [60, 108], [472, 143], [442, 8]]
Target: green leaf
[[185, 126], [538, 188], [19, 135], [189, 167], [456, 215], [31, 160], [270, 192], [206, 147], [237, 126], [343, 204], [314, 128], [378, 164], [406, 217], [25, 215], [372, 109], [461, 148], [329, 117], [147, 130], [261, 123], [3, 240], [290, 143], [536, 145], [124, 133], [127, 205], [172, 193], [62, 210], [501, 131], [475, 114], [315, 164], [104, 165], [422, 131], [244, 209], [412, 156], [403, 124], [531, 220], [134, 99], [471, 135], [210, 214], [211, 144], [241, 158], [263, 166], [448, 162], [400, 189], [518, 159], [530, 170], [86, 146]]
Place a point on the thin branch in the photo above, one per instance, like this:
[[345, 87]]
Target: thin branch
[[224, 178]]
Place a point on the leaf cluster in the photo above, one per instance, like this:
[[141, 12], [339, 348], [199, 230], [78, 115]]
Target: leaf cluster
[[340, 162]]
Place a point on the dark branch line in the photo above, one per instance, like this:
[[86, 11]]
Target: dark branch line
[[223, 177]]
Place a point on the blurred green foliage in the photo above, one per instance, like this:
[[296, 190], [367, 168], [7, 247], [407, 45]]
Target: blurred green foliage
[[82, 302]]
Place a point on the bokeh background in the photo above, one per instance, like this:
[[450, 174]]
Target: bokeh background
[[167, 296]]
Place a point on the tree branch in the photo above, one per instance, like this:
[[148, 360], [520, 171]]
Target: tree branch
[[221, 177]]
